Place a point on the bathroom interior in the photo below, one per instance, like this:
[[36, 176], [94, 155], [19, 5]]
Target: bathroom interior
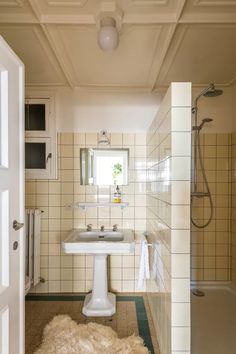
[[130, 169]]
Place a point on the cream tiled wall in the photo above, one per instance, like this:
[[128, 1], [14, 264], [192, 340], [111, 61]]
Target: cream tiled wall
[[233, 213], [211, 245], [168, 218], [66, 273]]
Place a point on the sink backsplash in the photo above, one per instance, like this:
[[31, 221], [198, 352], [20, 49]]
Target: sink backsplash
[[63, 273]]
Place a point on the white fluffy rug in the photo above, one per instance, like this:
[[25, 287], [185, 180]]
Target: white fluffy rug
[[64, 336]]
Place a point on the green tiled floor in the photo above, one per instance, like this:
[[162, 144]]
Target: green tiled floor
[[141, 314]]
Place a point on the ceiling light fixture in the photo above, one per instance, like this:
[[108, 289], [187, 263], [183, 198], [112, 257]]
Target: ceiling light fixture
[[108, 37], [103, 138]]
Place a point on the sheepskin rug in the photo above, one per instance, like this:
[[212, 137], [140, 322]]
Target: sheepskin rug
[[64, 336]]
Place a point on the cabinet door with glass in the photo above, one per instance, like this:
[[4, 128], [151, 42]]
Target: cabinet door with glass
[[37, 117]]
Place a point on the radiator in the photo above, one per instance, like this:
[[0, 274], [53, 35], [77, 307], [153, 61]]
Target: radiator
[[32, 245]]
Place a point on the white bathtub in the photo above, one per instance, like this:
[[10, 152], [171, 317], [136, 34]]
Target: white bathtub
[[214, 319]]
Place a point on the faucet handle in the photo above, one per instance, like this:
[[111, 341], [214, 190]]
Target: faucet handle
[[89, 227], [115, 227], [102, 228]]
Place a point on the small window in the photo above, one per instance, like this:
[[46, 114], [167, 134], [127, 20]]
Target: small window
[[35, 117], [35, 155]]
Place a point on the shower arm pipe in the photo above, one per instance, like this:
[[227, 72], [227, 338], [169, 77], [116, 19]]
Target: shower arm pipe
[[195, 107]]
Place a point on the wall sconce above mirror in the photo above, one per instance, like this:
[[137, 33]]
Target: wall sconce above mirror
[[104, 167]]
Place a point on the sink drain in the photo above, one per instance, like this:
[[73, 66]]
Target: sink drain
[[198, 292]]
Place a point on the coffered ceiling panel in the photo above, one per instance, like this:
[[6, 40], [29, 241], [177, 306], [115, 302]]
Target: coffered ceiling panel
[[16, 11], [133, 63], [29, 44], [201, 54], [209, 11]]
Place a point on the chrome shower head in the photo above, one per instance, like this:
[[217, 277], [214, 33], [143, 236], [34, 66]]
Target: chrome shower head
[[212, 91]]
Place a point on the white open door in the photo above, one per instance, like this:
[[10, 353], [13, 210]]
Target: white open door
[[11, 201]]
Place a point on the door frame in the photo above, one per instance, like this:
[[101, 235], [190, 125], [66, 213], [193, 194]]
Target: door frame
[[21, 186]]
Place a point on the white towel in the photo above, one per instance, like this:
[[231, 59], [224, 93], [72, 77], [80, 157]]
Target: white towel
[[144, 272]]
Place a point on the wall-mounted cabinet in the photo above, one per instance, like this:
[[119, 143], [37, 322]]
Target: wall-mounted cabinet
[[40, 139]]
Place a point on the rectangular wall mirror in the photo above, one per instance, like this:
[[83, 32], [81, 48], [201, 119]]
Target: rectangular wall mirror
[[104, 167]]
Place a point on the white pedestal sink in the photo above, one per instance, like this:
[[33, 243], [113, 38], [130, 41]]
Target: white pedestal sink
[[100, 244]]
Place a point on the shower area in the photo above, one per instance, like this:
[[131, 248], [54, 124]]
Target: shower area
[[213, 298]]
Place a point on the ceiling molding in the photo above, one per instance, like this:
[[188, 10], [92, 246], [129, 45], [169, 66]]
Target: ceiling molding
[[11, 3], [173, 50], [67, 3], [60, 58], [150, 2], [214, 3]]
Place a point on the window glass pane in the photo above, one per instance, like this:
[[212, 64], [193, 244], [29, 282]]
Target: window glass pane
[[35, 155], [35, 118]]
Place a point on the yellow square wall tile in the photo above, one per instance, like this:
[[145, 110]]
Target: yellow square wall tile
[[42, 200], [30, 201], [42, 187], [76, 163], [54, 200], [54, 187], [66, 273], [66, 213], [30, 187], [54, 224], [115, 261], [140, 139], [79, 274], [67, 188], [128, 139], [223, 139], [116, 273], [209, 139], [66, 224], [210, 164], [197, 274], [54, 262], [222, 250], [54, 249], [209, 237], [54, 286], [128, 286], [116, 139], [79, 261], [77, 151], [209, 274], [66, 151], [54, 237], [209, 250], [128, 261], [54, 274], [222, 274], [209, 262], [79, 139], [222, 164], [54, 212], [222, 151], [91, 139], [67, 163], [66, 139], [66, 286], [209, 151], [79, 286], [222, 262], [116, 285]]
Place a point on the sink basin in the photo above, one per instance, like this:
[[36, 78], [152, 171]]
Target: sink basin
[[99, 302], [113, 236], [95, 242]]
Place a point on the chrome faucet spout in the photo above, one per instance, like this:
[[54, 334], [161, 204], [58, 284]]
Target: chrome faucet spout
[[89, 227]]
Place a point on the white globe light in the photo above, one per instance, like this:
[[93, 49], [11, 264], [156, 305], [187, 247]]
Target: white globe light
[[108, 38]]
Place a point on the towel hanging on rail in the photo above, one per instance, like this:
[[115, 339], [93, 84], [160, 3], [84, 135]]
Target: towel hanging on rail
[[144, 272]]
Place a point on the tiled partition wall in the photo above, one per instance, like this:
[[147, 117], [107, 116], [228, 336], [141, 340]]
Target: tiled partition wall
[[211, 245], [168, 218], [233, 213], [65, 273]]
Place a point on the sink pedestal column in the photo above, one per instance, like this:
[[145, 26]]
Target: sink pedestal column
[[99, 302]]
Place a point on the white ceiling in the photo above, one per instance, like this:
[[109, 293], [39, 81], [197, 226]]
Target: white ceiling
[[160, 41]]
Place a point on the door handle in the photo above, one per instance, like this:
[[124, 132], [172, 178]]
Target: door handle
[[17, 225]]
